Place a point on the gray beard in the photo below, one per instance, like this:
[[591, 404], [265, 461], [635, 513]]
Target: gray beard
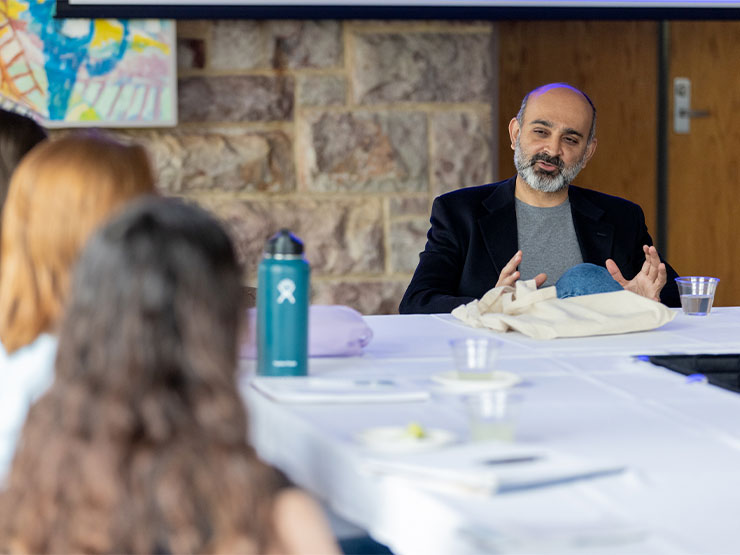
[[543, 182]]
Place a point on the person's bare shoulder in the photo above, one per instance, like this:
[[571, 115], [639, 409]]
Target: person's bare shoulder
[[301, 525]]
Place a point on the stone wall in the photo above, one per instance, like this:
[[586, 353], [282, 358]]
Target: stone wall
[[343, 132]]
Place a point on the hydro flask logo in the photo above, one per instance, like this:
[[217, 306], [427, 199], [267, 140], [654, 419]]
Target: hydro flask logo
[[286, 287]]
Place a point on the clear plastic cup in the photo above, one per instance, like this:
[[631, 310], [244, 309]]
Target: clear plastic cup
[[697, 294], [493, 415], [474, 356]]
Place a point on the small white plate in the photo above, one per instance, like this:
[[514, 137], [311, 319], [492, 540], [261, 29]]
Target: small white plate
[[472, 382], [397, 439]]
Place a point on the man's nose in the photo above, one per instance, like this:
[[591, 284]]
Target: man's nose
[[553, 146]]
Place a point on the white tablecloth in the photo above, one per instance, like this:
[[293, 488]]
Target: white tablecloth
[[589, 398]]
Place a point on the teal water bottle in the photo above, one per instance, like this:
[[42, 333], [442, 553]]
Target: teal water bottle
[[282, 308]]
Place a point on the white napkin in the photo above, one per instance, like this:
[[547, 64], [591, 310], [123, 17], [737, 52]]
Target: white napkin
[[338, 390], [490, 467]]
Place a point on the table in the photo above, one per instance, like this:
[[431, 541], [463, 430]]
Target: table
[[678, 440]]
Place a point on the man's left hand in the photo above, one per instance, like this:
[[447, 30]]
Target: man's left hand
[[649, 281]]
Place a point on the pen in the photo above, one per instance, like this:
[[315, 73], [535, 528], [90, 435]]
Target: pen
[[511, 460], [374, 383]]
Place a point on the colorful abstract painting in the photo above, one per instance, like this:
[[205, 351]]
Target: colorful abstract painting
[[83, 72]]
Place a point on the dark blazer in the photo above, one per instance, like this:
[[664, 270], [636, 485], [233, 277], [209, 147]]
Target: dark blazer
[[474, 235]]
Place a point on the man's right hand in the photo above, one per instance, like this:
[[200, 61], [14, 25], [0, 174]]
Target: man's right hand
[[509, 273]]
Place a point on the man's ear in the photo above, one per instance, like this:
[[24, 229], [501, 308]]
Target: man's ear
[[514, 131], [590, 149]]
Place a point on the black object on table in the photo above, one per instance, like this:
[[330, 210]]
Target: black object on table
[[720, 370]]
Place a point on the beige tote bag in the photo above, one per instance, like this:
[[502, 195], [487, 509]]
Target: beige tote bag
[[538, 313]]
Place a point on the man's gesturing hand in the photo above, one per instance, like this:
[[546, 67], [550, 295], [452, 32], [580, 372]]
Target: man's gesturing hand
[[509, 274], [649, 281]]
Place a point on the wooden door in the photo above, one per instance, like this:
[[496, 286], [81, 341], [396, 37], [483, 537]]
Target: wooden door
[[704, 165], [615, 63]]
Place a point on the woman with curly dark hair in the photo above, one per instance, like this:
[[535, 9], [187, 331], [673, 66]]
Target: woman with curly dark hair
[[140, 444]]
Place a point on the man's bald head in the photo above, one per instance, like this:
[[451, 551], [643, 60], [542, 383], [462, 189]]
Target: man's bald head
[[545, 88]]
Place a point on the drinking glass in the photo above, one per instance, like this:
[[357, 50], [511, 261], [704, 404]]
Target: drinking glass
[[492, 415], [697, 294], [474, 356]]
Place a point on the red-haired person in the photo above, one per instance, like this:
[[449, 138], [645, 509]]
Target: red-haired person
[[58, 195]]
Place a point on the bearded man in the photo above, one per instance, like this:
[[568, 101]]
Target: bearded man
[[537, 225]]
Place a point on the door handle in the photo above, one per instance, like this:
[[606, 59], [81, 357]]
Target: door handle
[[694, 113], [682, 112]]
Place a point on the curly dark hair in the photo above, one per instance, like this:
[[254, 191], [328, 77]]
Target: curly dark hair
[[140, 445]]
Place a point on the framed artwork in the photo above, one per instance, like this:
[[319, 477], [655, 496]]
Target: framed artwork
[[86, 72]]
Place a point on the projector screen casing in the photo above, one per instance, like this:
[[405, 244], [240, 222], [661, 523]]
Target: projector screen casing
[[553, 9]]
